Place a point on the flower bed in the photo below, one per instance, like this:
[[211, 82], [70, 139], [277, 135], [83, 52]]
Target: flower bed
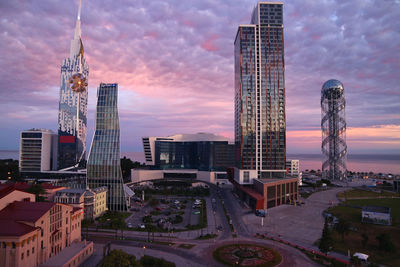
[[247, 255]]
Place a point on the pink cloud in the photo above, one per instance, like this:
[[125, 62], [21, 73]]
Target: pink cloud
[[209, 44]]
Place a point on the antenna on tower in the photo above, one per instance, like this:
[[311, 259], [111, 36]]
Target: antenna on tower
[[79, 9]]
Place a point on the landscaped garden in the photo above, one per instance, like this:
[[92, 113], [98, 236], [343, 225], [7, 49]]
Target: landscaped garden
[[380, 242], [247, 255]]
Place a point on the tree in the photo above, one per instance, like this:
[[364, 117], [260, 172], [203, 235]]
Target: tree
[[326, 241], [119, 258], [343, 228], [126, 166], [150, 261], [385, 243], [118, 223], [38, 191], [150, 229], [364, 240], [355, 261], [9, 169]]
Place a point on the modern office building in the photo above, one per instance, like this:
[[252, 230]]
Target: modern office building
[[260, 120], [201, 151], [333, 125], [104, 167], [37, 150], [73, 104], [202, 156], [259, 174]]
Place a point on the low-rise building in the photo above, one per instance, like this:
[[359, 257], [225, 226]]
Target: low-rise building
[[93, 202], [33, 232], [376, 215], [49, 189], [202, 156], [100, 204]]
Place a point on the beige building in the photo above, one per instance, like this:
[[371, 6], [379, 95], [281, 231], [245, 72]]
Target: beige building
[[100, 204], [31, 233], [92, 201]]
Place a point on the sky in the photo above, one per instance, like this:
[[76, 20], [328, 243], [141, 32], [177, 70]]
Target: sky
[[173, 62]]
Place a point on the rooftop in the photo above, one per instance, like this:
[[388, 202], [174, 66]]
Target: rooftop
[[66, 254], [199, 137], [9, 227], [266, 181], [72, 190], [376, 209], [25, 211]]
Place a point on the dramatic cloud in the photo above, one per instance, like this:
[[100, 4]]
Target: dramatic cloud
[[173, 61]]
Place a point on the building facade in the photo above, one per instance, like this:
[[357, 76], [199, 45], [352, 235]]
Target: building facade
[[333, 125], [72, 115], [260, 120], [33, 232], [36, 150], [93, 202], [104, 167], [202, 156]]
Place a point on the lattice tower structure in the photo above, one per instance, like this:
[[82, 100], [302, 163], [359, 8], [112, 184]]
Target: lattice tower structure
[[333, 125]]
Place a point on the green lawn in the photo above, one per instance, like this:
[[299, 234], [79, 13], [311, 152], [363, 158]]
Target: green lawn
[[365, 193], [353, 240]]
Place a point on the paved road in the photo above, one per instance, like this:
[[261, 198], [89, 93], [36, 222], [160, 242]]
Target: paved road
[[298, 224], [200, 255]]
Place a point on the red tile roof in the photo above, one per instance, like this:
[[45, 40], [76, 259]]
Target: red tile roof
[[25, 186], [25, 211], [12, 228], [5, 190]]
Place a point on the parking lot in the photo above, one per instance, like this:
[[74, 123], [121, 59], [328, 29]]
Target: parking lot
[[167, 214]]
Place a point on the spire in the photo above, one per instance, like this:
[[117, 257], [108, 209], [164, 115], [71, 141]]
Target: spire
[[78, 22], [79, 10], [76, 43]]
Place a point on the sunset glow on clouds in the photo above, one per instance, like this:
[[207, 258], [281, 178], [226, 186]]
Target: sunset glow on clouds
[[173, 61]]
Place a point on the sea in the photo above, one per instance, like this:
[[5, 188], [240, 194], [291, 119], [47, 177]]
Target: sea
[[355, 162]]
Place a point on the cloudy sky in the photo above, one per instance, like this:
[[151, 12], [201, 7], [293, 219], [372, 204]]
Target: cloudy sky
[[173, 61]]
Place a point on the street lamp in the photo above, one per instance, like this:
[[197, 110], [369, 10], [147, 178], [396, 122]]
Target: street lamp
[[144, 248]]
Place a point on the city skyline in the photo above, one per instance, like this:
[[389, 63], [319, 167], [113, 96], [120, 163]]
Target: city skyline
[[174, 64]]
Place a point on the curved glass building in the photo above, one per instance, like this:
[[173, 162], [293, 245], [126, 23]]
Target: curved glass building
[[333, 125], [104, 166]]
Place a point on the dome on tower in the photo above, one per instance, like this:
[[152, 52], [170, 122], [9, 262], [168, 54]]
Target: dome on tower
[[332, 84]]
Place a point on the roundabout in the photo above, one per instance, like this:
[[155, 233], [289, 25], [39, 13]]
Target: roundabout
[[247, 255]]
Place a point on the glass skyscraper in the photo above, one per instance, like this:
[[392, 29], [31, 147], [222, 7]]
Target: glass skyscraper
[[104, 167], [73, 104], [260, 120]]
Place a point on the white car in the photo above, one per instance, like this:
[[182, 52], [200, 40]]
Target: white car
[[142, 226]]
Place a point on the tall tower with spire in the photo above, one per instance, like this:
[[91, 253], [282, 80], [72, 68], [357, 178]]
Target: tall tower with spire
[[72, 114]]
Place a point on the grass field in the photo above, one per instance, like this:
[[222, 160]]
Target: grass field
[[353, 240], [354, 193]]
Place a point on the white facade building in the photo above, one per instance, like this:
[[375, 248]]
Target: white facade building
[[36, 150]]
